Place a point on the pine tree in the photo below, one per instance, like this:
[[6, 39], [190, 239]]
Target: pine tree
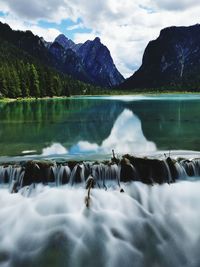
[[57, 86], [3, 84], [13, 82], [49, 84], [16, 83], [34, 81], [24, 81]]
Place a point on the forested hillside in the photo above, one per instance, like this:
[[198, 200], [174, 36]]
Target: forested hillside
[[22, 75]]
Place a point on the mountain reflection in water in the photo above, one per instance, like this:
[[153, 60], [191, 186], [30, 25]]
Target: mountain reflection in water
[[84, 125]]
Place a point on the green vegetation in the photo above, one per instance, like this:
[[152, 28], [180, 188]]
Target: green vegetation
[[23, 76]]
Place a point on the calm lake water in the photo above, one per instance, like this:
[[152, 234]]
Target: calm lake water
[[96, 125]]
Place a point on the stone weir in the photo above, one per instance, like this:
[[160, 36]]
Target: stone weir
[[126, 169]]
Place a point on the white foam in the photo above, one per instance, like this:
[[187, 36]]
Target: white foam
[[145, 226]]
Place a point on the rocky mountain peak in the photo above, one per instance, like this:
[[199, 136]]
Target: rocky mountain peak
[[64, 41], [97, 40], [94, 59]]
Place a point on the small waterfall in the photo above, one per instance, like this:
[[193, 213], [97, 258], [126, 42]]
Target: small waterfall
[[12, 175], [61, 174], [116, 172], [16, 178], [169, 176], [67, 172], [181, 170], [98, 172], [103, 173], [73, 175], [78, 174], [146, 170], [2, 174], [188, 168]]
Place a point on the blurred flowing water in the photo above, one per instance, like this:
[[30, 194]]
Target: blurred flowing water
[[144, 226]]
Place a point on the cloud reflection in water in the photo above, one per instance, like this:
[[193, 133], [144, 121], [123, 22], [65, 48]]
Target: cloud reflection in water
[[126, 137], [54, 149]]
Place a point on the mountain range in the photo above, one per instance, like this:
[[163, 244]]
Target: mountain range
[[89, 62], [172, 61]]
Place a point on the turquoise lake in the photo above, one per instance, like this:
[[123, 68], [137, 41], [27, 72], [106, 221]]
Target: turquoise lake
[[84, 126]]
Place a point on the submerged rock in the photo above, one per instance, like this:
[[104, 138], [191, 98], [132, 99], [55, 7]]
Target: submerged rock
[[37, 172]]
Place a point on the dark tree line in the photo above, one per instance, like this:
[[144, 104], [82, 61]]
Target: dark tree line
[[27, 80]]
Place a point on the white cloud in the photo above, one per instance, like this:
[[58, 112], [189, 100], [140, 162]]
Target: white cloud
[[82, 37], [52, 10], [49, 34], [177, 5], [125, 26]]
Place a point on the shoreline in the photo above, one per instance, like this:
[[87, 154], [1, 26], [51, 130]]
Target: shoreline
[[112, 93]]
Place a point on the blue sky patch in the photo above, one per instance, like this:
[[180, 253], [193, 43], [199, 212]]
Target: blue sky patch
[[67, 27], [3, 14]]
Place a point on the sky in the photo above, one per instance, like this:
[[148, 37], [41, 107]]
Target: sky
[[124, 26]]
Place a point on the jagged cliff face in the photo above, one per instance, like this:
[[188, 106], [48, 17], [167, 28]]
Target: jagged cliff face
[[172, 60], [92, 58], [66, 43], [70, 62], [99, 64]]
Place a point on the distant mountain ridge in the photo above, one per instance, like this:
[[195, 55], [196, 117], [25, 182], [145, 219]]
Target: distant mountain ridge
[[90, 62], [93, 62], [170, 61], [67, 43]]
